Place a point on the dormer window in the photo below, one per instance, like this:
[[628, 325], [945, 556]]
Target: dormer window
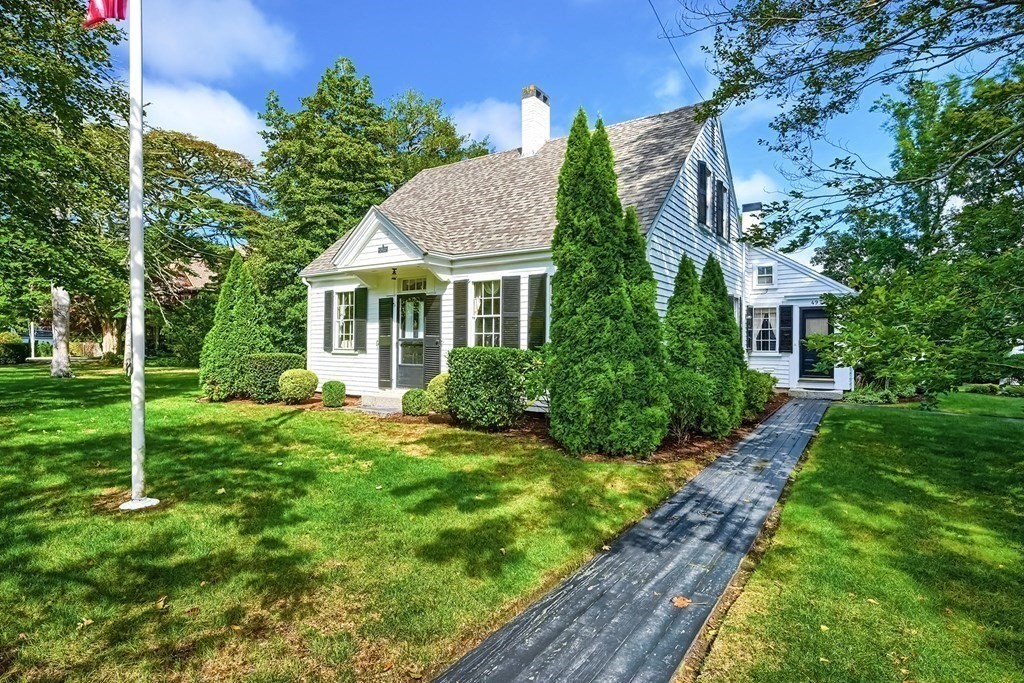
[[765, 276]]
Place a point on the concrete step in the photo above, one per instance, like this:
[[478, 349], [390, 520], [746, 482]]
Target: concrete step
[[823, 394], [383, 402]]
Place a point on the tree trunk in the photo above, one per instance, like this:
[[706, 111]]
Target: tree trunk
[[60, 364], [127, 362], [110, 335]]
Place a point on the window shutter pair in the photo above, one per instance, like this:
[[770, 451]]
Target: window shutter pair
[[362, 296], [536, 325], [786, 329], [702, 192]]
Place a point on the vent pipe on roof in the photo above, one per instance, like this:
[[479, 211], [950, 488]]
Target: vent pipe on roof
[[536, 120]]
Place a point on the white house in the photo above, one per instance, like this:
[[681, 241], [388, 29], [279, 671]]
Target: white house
[[461, 256]]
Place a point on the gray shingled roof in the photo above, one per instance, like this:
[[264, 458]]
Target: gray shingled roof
[[504, 201]]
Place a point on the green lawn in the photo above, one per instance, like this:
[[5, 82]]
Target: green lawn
[[289, 544], [900, 555], [982, 404]]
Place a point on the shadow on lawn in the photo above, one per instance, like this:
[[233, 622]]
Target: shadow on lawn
[[947, 493]]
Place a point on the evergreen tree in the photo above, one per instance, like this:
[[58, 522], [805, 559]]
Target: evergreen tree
[[238, 330], [723, 362], [690, 390], [600, 376]]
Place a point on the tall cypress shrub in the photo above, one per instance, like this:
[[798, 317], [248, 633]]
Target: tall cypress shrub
[[601, 372], [690, 390], [723, 364], [238, 330]]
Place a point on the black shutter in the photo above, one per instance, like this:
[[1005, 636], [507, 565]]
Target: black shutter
[[719, 207], [702, 192], [460, 330], [328, 321], [431, 338], [385, 315], [536, 311], [786, 329], [510, 311], [750, 328], [362, 297]]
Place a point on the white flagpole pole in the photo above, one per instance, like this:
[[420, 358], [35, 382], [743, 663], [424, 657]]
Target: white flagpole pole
[[137, 269]]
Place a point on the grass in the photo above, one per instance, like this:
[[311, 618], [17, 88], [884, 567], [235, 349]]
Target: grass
[[289, 544], [900, 555], [982, 404]]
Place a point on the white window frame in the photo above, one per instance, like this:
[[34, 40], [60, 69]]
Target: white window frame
[[495, 317], [758, 275], [774, 320], [345, 301]]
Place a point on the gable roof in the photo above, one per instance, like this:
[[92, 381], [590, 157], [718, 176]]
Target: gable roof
[[506, 202]]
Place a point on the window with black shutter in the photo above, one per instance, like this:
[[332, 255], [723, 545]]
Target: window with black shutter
[[702, 192], [536, 311]]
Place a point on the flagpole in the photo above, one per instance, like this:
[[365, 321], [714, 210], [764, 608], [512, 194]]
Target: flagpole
[[136, 233]]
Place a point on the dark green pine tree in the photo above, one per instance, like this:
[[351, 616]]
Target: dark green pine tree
[[690, 390], [597, 365], [238, 330], [723, 362]]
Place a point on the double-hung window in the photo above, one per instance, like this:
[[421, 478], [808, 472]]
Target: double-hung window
[[766, 328], [765, 276], [487, 313], [345, 325]]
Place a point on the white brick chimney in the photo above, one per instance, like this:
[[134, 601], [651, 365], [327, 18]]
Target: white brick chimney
[[536, 120]]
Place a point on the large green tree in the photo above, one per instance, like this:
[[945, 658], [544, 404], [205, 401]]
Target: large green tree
[[326, 164], [607, 387]]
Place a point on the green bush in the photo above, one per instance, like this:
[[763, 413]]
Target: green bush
[[44, 349], [333, 394], [905, 390], [297, 386], [12, 350], [980, 388], [1015, 390], [437, 394], [870, 395], [237, 332], [690, 392], [415, 402], [188, 325], [488, 387], [724, 362], [262, 371], [758, 388], [111, 359]]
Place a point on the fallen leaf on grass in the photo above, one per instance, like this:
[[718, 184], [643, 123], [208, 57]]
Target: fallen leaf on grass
[[236, 627], [824, 661], [389, 666], [502, 550], [606, 547], [161, 604], [221, 492], [681, 601], [22, 636], [84, 622], [873, 601], [379, 488], [202, 583], [824, 628]]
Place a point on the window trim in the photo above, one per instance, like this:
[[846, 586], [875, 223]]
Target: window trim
[[339, 294], [756, 330], [495, 316], [757, 275]]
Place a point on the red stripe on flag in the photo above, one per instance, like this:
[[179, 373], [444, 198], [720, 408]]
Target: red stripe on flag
[[102, 10]]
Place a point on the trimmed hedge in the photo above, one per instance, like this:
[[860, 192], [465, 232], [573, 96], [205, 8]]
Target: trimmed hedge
[[488, 387], [980, 388], [262, 371], [333, 394], [12, 350], [297, 386], [414, 402], [437, 394], [1014, 390], [757, 391], [690, 392]]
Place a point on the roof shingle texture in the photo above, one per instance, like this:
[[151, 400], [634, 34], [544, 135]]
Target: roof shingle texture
[[504, 201]]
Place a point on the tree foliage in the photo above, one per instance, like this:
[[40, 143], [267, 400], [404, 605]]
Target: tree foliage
[[724, 362], [606, 381]]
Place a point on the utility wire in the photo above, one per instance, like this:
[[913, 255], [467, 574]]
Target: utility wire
[[679, 59]]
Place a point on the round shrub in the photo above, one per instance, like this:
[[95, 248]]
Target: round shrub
[[414, 402], [690, 392], [297, 386], [980, 388], [489, 387], [1015, 390], [262, 371], [757, 391], [333, 394], [437, 394], [12, 350]]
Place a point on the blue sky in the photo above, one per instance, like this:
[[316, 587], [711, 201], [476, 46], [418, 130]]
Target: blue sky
[[210, 63]]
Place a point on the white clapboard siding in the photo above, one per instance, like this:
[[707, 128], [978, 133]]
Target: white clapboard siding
[[676, 230], [381, 250], [357, 370]]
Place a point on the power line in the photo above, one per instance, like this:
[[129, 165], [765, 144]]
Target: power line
[[679, 59]]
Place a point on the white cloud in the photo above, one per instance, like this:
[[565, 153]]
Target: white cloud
[[670, 87], [757, 187], [207, 113], [214, 39], [754, 111], [496, 119]]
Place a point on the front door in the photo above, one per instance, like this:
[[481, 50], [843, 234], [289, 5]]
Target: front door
[[410, 340], [812, 321]]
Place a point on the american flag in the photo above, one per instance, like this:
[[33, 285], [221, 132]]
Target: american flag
[[101, 10]]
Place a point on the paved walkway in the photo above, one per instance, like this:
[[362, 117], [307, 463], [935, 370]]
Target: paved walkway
[[614, 619]]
